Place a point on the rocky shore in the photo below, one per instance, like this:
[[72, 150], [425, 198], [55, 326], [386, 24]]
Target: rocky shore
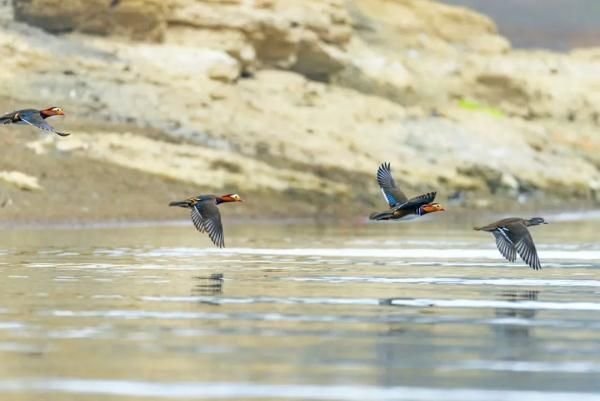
[[292, 103]]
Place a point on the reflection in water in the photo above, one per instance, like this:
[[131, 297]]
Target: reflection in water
[[513, 340], [517, 296], [208, 285], [513, 330]]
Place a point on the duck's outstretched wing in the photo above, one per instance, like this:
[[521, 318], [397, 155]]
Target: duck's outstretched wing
[[520, 236], [513, 237], [505, 245], [417, 201], [392, 194], [207, 218], [38, 122]]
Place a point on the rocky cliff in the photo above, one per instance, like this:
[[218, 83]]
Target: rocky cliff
[[294, 102]]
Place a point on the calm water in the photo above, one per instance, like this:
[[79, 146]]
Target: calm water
[[418, 311]]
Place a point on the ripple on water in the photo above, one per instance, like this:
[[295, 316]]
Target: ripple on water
[[527, 366], [425, 302], [265, 300], [123, 301], [454, 281], [415, 253], [472, 303], [415, 319], [199, 390]]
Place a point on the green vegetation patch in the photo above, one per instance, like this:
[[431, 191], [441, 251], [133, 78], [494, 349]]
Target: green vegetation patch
[[471, 105]]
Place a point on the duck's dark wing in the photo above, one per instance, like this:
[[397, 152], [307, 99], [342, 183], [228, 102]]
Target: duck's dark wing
[[505, 245], [196, 219], [525, 246], [37, 121], [392, 194], [206, 217], [520, 236], [417, 201]]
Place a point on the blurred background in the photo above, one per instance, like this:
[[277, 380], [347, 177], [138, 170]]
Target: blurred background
[[294, 103], [549, 24]]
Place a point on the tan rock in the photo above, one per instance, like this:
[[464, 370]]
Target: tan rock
[[138, 19], [307, 98], [537, 85], [183, 162], [425, 24], [184, 62], [21, 180], [306, 36], [376, 73]]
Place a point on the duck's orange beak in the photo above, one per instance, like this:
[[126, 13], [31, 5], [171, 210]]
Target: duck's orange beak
[[434, 207]]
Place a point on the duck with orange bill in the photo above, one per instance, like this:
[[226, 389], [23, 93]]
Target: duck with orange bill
[[400, 206], [35, 118], [205, 214]]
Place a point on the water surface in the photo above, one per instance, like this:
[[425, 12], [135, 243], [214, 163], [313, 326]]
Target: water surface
[[419, 311]]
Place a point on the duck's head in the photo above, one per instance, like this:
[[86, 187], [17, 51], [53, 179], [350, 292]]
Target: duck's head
[[536, 221], [229, 198], [52, 111], [431, 208]]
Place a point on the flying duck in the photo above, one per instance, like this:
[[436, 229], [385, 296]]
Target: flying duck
[[206, 215], [35, 118], [400, 205], [512, 237]]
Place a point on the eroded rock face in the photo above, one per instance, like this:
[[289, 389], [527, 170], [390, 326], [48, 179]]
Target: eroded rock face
[[137, 19], [305, 36], [425, 25], [415, 52], [325, 90]]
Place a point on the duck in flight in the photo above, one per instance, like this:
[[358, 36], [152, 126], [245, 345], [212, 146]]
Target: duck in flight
[[513, 237], [35, 118], [400, 205], [206, 216]]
